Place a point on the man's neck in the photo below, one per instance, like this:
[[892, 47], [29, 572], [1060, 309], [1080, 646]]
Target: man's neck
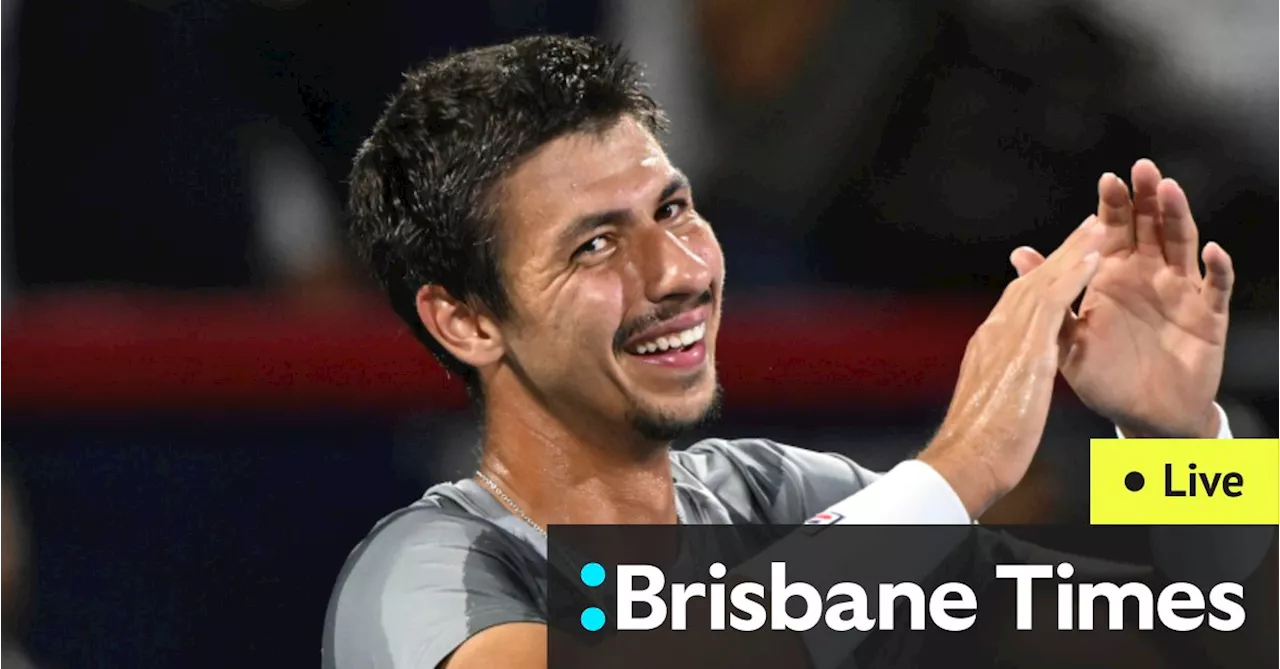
[[581, 475]]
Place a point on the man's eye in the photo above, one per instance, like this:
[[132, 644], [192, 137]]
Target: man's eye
[[595, 245], [671, 209]]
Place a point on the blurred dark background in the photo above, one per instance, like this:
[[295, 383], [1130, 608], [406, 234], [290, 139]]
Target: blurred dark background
[[208, 407]]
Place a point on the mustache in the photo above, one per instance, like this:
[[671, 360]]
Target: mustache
[[664, 312]]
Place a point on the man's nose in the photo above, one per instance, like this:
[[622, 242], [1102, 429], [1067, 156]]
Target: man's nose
[[671, 266]]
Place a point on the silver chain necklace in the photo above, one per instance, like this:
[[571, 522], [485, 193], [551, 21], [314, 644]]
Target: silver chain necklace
[[511, 504]]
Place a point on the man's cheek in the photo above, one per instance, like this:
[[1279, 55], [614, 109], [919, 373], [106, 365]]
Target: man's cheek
[[707, 247], [600, 307]]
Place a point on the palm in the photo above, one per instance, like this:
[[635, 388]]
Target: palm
[[1145, 327], [1147, 348]]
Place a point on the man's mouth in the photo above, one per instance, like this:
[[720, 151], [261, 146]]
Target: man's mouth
[[673, 342], [679, 343]]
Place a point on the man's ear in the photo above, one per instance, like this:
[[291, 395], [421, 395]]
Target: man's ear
[[467, 333]]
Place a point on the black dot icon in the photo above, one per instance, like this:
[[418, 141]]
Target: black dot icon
[[1134, 481]]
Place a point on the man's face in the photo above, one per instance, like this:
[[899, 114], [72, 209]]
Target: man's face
[[615, 282]]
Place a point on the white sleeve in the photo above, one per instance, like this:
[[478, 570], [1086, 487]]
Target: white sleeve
[[912, 493], [1224, 426]]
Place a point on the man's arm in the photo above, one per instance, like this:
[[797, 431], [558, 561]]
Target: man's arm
[[513, 646]]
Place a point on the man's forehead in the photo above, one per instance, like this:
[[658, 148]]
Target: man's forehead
[[591, 169]]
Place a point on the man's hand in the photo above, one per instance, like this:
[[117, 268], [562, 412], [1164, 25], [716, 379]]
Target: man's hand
[[1001, 402], [1146, 350]]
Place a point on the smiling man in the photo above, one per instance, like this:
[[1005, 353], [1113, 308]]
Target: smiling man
[[517, 205]]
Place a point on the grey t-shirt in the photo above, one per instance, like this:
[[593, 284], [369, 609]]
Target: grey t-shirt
[[457, 562]]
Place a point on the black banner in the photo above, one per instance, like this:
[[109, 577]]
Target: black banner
[[827, 596]]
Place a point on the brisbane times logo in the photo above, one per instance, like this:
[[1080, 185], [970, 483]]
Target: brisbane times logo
[[645, 600]]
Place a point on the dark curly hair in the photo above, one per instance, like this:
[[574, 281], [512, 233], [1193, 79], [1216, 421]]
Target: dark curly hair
[[422, 203]]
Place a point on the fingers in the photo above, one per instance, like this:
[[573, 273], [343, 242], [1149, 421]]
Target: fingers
[[1068, 286], [1181, 239], [1057, 277], [1065, 274], [1086, 238], [1146, 207], [1064, 292], [1024, 259], [1115, 210], [1219, 278]]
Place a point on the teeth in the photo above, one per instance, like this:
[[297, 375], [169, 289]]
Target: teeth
[[673, 341]]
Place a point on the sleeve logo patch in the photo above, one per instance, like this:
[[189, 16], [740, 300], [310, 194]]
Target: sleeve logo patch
[[823, 519]]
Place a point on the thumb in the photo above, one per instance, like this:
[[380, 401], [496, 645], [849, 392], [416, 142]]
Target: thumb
[[1024, 259], [1219, 278]]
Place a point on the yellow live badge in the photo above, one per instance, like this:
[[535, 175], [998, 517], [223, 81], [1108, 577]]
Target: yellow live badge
[[1184, 481]]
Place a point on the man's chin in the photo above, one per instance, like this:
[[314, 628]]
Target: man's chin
[[656, 424]]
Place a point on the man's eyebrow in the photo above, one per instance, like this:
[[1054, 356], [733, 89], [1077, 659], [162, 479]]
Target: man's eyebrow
[[677, 183], [586, 223]]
